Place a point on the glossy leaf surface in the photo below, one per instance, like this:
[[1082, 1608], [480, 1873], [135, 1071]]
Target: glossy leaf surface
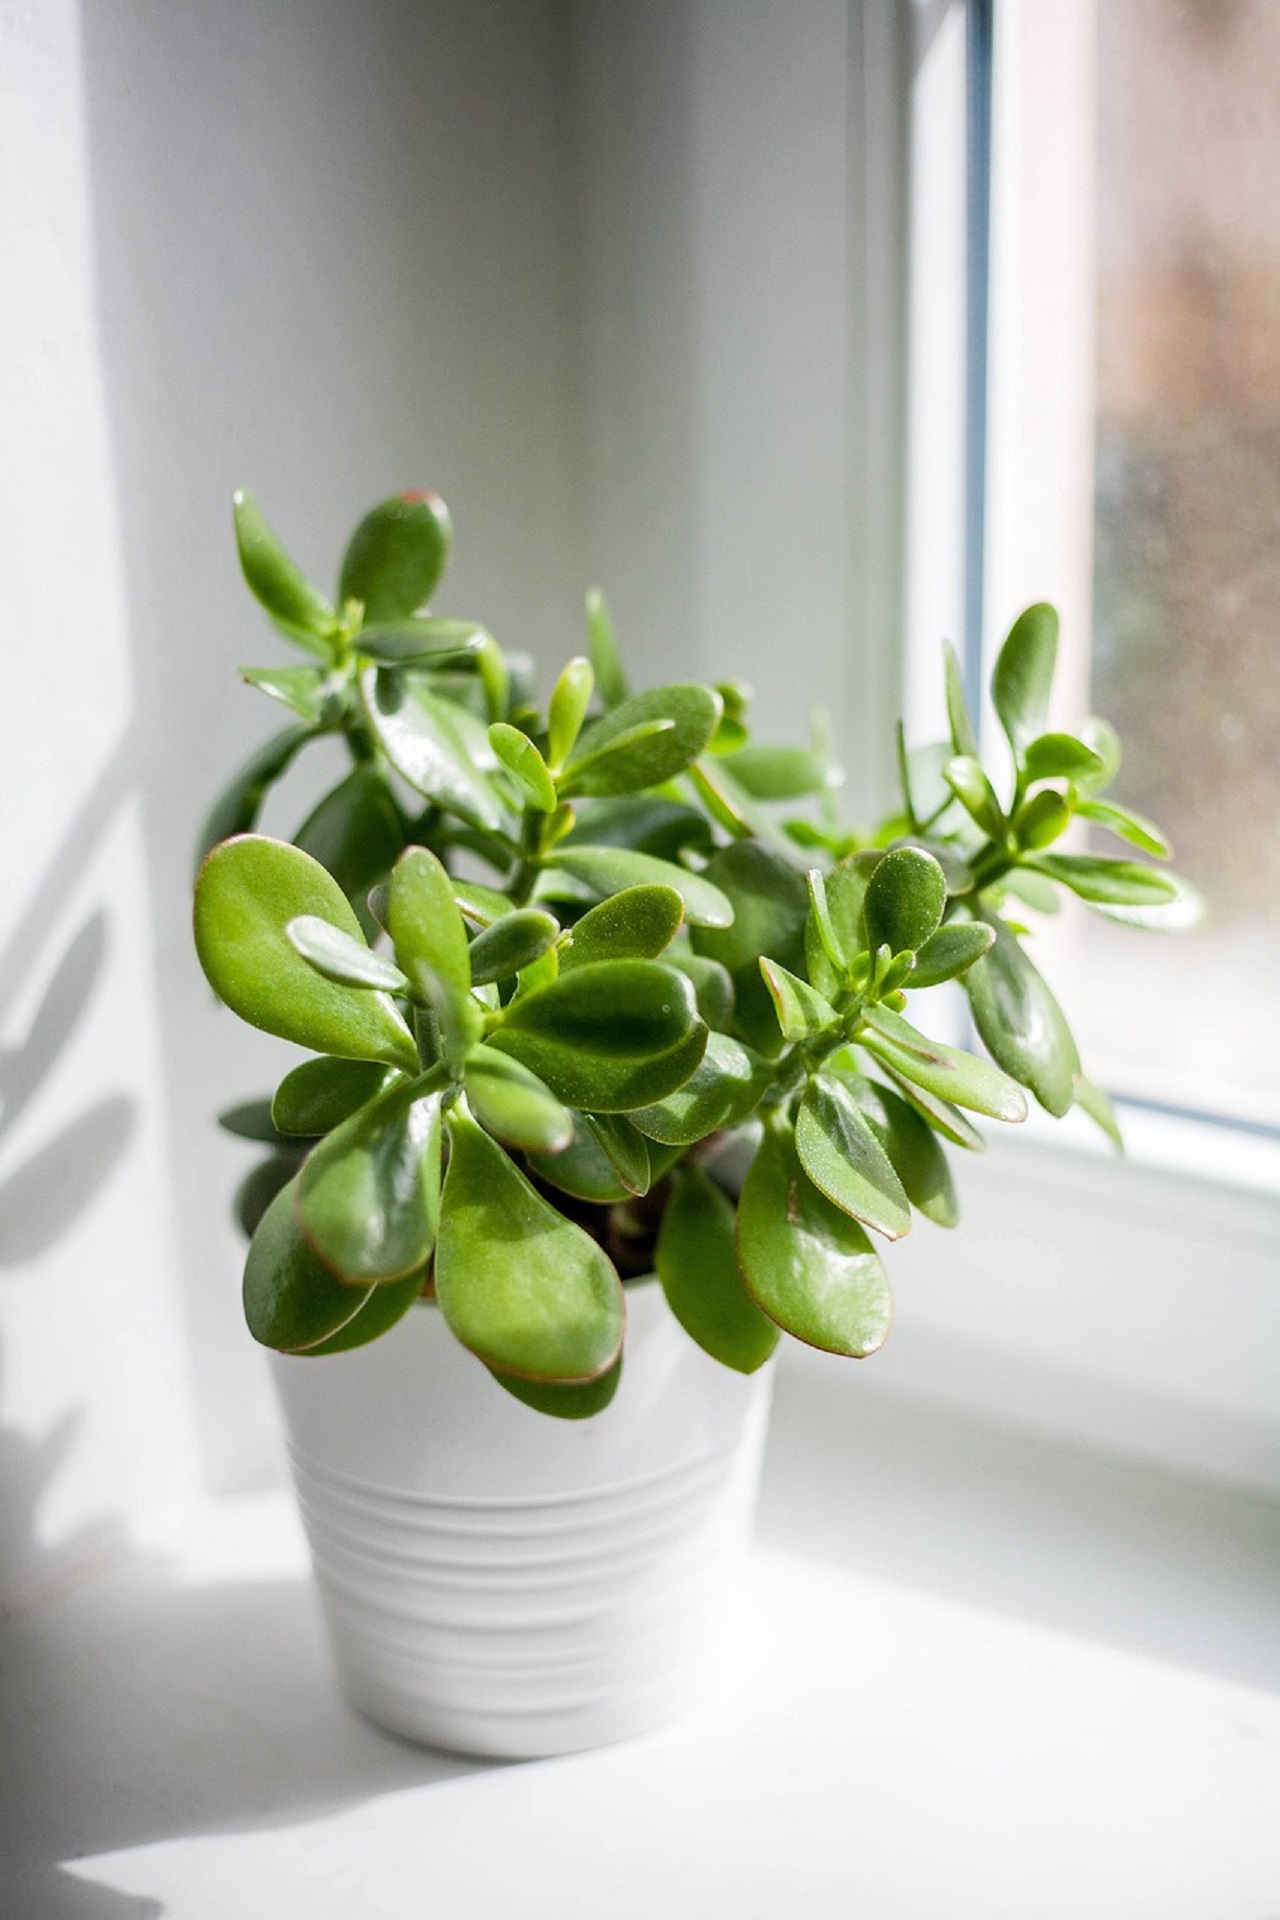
[[636, 924], [522, 1287], [904, 902], [583, 1169], [430, 942], [720, 1092], [525, 765], [1023, 674], [398, 642], [1130, 826], [248, 891], [338, 957], [697, 1264], [947, 953], [561, 1402], [567, 709], [769, 903], [306, 691], [1055, 756], [844, 1159], [433, 743], [514, 1105], [611, 870], [320, 1094], [807, 1264], [511, 944], [608, 1037], [976, 795], [1119, 883], [615, 756], [1042, 819], [369, 1193], [291, 1300], [396, 556], [626, 1149], [1022, 1026], [275, 580], [384, 1307], [800, 1009], [946, 1071], [913, 1148], [939, 1113]]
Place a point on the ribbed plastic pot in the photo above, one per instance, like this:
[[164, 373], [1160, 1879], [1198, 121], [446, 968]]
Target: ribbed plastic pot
[[501, 1583]]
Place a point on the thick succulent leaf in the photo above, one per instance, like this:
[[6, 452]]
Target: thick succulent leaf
[[905, 899], [261, 1185], [338, 957], [511, 944], [712, 984], [1111, 883], [721, 1092], [644, 822], [769, 904], [436, 745], [276, 581], [237, 807], [1184, 910], [1042, 819], [1022, 1026], [1130, 826], [976, 795], [251, 1120], [1101, 738], [514, 1105], [941, 1115], [583, 1169], [1093, 1101], [1033, 890], [609, 1037], [698, 1267], [1060, 756], [306, 691], [626, 1150], [964, 741], [525, 765], [637, 924], [567, 708], [616, 754], [800, 1009], [946, 953], [603, 648], [578, 1402], [946, 1071], [430, 941], [319, 1095], [480, 906], [823, 945], [522, 1287], [396, 556], [356, 832], [806, 1263], [384, 1307], [608, 870], [1023, 674], [844, 1159], [369, 1193], [248, 891], [781, 773], [399, 642], [913, 1148], [291, 1299]]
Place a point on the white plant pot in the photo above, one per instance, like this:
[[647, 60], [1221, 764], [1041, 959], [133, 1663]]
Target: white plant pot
[[502, 1583]]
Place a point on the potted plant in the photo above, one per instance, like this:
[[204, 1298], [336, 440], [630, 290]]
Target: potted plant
[[548, 964]]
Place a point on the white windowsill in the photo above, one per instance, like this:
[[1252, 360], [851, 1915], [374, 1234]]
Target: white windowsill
[[970, 1674]]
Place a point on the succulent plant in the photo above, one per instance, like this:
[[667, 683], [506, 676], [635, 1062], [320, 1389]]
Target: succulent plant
[[547, 961]]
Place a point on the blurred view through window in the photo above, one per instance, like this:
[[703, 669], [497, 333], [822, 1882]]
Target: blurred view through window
[[1180, 648]]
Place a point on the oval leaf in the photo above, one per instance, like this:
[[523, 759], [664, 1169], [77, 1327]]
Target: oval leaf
[[567, 709], [504, 949], [1060, 756], [698, 1267], [560, 1401], [306, 691], [618, 755], [369, 1194], [525, 765], [769, 904], [248, 891], [291, 1300], [912, 1147], [337, 956], [626, 1150], [1112, 883], [976, 795], [276, 581], [636, 924], [905, 900], [384, 1307], [320, 1094], [781, 773], [955, 1076], [396, 556], [721, 1092], [438, 747], [398, 642], [520, 1286], [800, 1009], [611, 870], [1130, 826], [844, 1159], [808, 1265], [608, 1037], [949, 951], [1023, 674], [1022, 1026], [514, 1105]]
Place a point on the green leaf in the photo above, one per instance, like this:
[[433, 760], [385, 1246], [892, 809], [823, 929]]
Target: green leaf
[[431, 946], [608, 1037], [237, 807], [276, 582], [307, 691], [1101, 738], [644, 823], [1093, 1101], [1032, 889], [514, 1105], [807, 1264], [1023, 675], [1133, 827], [1060, 756], [781, 773], [976, 795], [436, 745], [921, 773], [396, 556], [582, 1169], [251, 1120], [800, 1009], [904, 902], [578, 1402], [259, 1188], [720, 1092], [567, 709], [369, 1194], [511, 944], [946, 1071], [520, 1286], [711, 983], [525, 765], [939, 1113], [842, 1156], [1186, 909], [1042, 819], [248, 891], [320, 1094], [603, 649], [339, 957], [384, 1307], [645, 740], [355, 832], [912, 1147], [480, 906], [822, 943], [1022, 1026], [626, 1150], [291, 1300], [1112, 883], [964, 741], [768, 904], [611, 870], [698, 1268], [949, 951], [637, 924], [398, 643]]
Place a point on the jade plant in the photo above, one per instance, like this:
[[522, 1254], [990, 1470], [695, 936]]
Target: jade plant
[[548, 961]]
